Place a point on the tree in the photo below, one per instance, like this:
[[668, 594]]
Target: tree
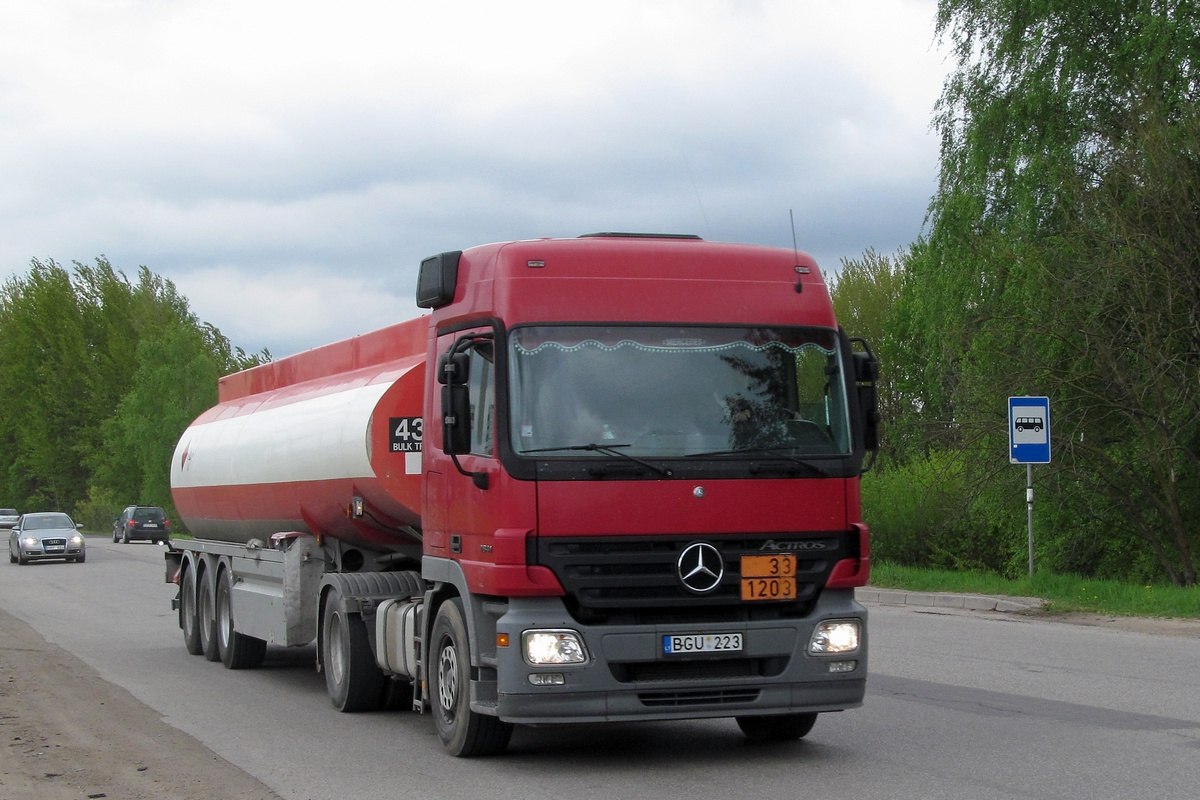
[[98, 377], [44, 414], [1061, 255]]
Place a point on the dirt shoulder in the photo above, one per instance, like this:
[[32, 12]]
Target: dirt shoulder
[[68, 734], [1161, 626]]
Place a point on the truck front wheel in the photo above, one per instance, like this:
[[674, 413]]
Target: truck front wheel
[[354, 680], [777, 728], [463, 732]]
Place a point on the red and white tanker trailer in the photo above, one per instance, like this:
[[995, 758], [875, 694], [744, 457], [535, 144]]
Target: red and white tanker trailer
[[610, 478]]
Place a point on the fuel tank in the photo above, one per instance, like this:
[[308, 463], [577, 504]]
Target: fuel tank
[[326, 442]]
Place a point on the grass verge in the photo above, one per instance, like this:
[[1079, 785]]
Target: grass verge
[[1062, 593]]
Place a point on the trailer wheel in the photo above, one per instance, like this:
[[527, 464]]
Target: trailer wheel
[[463, 732], [777, 728], [354, 680], [189, 622], [237, 650], [206, 613]]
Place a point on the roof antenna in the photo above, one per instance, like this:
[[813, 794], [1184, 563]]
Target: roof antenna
[[796, 249]]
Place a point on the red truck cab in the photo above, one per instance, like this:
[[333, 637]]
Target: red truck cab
[[640, 487]]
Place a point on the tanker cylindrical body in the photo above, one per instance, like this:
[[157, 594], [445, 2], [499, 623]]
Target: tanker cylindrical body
[[326, 442]]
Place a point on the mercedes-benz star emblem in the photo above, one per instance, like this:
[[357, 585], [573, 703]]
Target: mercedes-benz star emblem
[[701, 567]]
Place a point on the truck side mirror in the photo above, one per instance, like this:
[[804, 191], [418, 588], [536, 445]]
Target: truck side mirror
[[454, 369], [866, 373], [456, 419]]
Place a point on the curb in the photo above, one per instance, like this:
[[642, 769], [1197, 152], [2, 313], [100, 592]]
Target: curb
[[969, 602]]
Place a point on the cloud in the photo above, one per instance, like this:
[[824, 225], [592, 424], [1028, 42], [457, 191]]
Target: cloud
[[292, 144]]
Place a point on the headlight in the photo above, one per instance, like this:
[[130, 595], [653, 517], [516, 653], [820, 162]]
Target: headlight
[[553, 647], [77, 539], [30, 541], [834, 637]]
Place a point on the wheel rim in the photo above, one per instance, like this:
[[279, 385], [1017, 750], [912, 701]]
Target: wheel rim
[[224, 620], [188, 604], [206, 607], [448, 680], [337, 649]]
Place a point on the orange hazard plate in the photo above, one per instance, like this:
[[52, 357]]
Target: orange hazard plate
[[769, 577]]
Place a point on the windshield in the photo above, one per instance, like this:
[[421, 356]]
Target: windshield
[[676, 392], [48, 523]]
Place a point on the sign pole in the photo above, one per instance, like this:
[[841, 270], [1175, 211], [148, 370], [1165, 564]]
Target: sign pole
[[1029, 509]]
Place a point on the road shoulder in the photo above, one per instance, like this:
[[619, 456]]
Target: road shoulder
[[1026, 607], [69, 734]]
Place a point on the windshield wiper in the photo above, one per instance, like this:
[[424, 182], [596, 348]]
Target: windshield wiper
[[770, 451], [606, 449]]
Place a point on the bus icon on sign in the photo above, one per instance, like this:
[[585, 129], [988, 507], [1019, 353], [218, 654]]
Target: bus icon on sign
[[1034, 424]]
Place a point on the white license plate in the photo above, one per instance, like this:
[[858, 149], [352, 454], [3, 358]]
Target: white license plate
[[149, 524], [675, 644]]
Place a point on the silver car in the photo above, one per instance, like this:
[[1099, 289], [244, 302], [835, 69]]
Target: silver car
[[8, 517], [49, 534]]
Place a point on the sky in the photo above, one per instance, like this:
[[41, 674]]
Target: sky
[[288, 163]]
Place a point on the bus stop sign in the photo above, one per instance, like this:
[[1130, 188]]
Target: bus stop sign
[[1029, 430]]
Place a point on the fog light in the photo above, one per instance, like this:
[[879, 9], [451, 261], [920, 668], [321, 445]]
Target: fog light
[[553, 647], [547, 679], [833, 637], [843, 666]]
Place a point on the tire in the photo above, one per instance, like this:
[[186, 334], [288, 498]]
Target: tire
[[206, 613], [125, 537], [81, 559], [189, 620], [464, 733], [11, 558], [116, 536], [237, 650], [354, 680], [777, 728], [22, 560]]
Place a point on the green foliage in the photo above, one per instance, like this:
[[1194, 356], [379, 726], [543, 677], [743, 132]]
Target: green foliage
[[98, 378], [924, 513], [1063, 258]]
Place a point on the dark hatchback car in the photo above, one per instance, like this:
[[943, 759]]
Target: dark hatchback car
[[149, 523]]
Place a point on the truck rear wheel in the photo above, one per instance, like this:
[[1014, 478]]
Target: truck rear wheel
[[463, 732], [778, 727], [354, 680], [206, 614], [189, 622], [237, 650]]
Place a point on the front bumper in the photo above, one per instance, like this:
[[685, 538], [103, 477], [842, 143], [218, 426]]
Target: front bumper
[[629, 678], [49, 551]]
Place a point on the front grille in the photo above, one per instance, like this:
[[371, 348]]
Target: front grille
[[700, 670], [635, 579], [702, 697], [54, 542]]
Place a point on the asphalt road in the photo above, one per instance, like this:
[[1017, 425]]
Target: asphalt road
[[959, 705]]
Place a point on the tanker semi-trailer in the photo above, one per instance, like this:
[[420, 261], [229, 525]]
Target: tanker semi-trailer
[[610, 478]]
